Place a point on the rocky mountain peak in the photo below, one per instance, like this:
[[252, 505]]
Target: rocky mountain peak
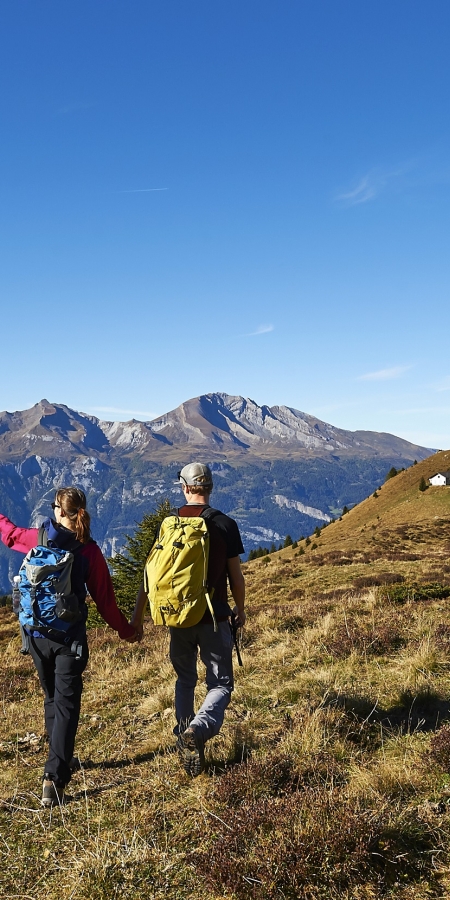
[[213, 423]]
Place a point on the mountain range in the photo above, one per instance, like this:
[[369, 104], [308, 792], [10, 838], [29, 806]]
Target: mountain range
[[276, 470]]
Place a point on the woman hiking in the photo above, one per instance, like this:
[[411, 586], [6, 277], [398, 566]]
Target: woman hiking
[[60, 656]]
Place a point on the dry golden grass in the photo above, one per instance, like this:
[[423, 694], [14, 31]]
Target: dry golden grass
[[344, 729], [330, 778]]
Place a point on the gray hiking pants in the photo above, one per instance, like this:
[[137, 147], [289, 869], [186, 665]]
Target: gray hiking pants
[[215, 653]]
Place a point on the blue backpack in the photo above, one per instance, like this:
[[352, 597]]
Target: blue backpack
[[47, 602]]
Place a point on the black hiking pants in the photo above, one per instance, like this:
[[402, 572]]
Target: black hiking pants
[[60, 671]]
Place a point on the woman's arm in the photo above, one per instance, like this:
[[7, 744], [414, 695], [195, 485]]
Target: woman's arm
[[20, 539], [101, 589]]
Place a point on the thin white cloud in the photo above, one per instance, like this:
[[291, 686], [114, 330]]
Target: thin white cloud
[[261, 329], [370, 185], [116, 410], [365, 190], [443, 385], [385, 374], [141, 191]]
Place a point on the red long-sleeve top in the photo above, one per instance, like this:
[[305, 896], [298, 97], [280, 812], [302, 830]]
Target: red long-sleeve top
[[98, 580]]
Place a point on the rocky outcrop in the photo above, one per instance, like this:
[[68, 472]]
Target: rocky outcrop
[[301, 507]]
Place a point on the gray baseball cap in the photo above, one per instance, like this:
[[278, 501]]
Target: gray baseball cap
[[196, 475]]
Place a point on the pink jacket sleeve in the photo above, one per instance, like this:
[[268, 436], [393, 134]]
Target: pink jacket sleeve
[[100, 587], [20, 539]]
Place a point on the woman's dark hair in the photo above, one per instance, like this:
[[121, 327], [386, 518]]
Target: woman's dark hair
[[72, 501]]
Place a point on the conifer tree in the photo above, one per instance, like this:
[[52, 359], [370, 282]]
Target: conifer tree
[[422, 485], [127, 568], [287, 541]]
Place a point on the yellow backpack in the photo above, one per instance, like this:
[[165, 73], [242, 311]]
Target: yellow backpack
[[175, 574]]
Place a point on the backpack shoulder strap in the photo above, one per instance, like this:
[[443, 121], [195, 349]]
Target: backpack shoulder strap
[[42, 537], [210, 513], [174, 511]]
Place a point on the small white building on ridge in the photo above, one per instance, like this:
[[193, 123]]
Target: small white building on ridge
[[440, 478]]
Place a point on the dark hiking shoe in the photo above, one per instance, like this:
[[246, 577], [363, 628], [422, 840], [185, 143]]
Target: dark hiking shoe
[[75, 764], [51, 794], [190, 746]]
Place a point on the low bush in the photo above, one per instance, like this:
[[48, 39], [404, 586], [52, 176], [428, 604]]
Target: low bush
[[272, 776], [361, 638], [400, 556], [292, 623], [296, 594], [442, 636], [440, 748], [332, 594], [366, 581], [310, 844], [400, 593]]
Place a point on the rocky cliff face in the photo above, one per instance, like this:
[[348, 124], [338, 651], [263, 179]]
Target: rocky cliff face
[[222, 421], [276, 470]]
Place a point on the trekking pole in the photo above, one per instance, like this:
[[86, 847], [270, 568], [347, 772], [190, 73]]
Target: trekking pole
[[234, 631]]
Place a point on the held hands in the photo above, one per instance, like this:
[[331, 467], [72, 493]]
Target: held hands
[[137, 636], [138, 625]]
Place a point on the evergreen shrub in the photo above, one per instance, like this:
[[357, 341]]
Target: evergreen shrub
[[400, 593], [127, 568]]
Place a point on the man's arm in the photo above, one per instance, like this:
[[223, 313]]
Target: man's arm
[[138, 613], [237, 586]]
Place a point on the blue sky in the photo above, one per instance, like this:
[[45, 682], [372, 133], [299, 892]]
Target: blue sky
[[250, 197]]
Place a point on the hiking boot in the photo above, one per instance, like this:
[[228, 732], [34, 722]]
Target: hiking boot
[[51, 794], [75, 764], [190, 746]]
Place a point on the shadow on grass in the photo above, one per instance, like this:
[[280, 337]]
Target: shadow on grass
[[422, 712], [127, 760]]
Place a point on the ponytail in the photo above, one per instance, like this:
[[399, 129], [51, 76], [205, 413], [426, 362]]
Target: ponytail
[[83, 526], [73, 505]]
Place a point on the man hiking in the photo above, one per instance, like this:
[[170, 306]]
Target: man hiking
[[212, 636]]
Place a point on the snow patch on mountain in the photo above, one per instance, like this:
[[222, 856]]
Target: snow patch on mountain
[[300, 507], [258, 533]]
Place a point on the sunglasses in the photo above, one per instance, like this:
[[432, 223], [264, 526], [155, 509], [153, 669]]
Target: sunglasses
[[55, 506]]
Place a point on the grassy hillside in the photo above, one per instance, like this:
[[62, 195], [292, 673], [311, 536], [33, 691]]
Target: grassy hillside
[[397, 530], [331, 778]]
